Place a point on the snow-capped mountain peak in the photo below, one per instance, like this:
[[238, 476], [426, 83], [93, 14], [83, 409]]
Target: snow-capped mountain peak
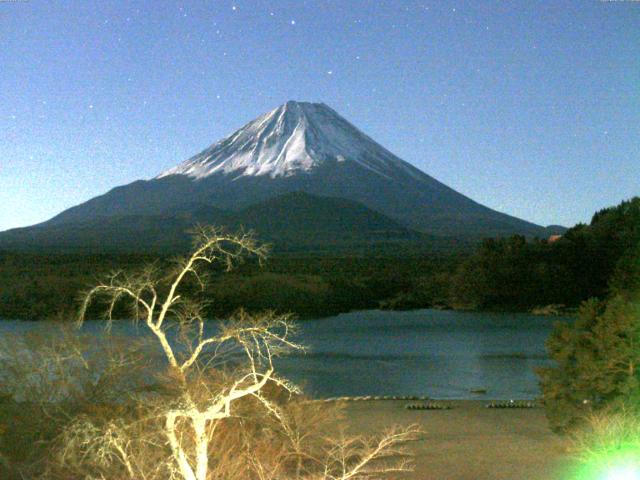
[[298, 148], [295, 137]]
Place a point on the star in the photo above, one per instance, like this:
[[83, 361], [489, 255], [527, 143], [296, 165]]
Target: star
[[293, 22], [234, 8], [329, 72]]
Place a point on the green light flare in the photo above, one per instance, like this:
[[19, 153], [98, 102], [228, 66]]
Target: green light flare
[[623, 472], [619, 465]]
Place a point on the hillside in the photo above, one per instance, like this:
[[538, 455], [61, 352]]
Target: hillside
[[292, 220]]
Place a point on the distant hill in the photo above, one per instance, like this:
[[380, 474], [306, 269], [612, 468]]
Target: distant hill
[[555, 230], [292, 220], [302, 218]]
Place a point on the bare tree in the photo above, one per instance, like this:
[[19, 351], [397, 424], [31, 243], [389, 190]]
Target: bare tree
[[215, 374]]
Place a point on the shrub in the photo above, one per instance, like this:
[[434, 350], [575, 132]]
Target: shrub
[[215, 407]]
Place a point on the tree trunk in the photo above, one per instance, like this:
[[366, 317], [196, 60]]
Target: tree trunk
[[202, 447]]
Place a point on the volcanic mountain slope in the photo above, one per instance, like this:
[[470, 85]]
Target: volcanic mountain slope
[[300, 147], [293, 221]]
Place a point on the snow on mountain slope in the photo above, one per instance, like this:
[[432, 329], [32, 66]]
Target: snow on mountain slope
[[303, 147], [295, 137]]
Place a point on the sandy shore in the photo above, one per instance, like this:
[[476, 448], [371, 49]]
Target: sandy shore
[[471, 442]]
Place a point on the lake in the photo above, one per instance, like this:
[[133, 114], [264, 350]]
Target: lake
[[441, 354]]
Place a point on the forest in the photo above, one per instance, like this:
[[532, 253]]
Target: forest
[[507, 274]]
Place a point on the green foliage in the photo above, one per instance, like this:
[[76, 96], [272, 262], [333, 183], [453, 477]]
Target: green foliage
[[431, 290], [598, 356], [38, 286], [513, 273], [269, 291], [597, 360], [627, 273]]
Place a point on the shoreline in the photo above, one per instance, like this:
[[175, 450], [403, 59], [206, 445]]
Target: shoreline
[[469, 441], [541, 312], [422, 398]]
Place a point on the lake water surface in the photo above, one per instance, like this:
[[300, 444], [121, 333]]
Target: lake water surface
[[442, 354]]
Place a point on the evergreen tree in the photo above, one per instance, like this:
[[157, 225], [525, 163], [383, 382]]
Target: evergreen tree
[[598, 356]]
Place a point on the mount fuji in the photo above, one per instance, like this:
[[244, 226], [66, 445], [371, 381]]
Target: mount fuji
[[302, 154]]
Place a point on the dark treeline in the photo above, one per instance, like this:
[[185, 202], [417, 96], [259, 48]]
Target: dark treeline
[[39, 286], [595, 379], [596, 356], [516, 274], [502, 274]]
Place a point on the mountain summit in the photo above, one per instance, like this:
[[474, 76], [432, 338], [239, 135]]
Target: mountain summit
[[298, 147], [295, 137]]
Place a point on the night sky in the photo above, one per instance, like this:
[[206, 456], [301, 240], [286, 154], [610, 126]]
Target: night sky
[[531, 108]]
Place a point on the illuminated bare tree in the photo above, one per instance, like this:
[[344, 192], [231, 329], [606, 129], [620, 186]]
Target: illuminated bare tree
[[195, 356]]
